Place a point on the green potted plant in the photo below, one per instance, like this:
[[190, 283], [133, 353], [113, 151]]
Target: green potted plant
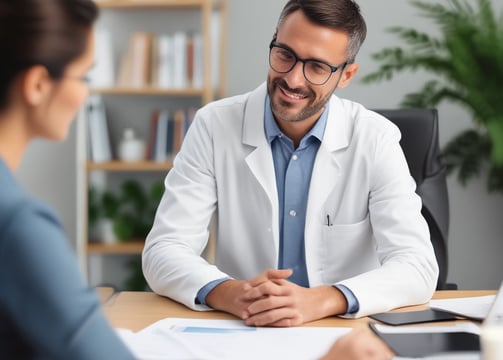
[[130, 212], [102, 208], [466, 61]]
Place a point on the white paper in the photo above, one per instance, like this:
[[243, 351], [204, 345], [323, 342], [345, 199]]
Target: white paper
[[476, 307], [462, 326], [184, 339], [189, 339], [159, 345]]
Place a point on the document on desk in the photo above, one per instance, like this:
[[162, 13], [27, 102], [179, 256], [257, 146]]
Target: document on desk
[[475, 308], [183, 339]]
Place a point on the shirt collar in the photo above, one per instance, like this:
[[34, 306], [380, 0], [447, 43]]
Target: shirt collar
[[272, 131]]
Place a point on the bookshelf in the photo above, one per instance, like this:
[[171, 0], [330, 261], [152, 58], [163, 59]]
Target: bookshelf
[[149, 91], [132, 247], [116, 165], [132, 105]]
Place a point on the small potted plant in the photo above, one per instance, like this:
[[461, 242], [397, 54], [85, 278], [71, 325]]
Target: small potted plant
[[130, 211], [102, 208], [125, 216]]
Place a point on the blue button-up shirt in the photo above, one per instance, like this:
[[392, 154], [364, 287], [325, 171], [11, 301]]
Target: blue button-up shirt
[[293, 168]]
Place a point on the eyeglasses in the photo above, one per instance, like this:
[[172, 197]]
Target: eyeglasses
[[282, 60], [83, 79]]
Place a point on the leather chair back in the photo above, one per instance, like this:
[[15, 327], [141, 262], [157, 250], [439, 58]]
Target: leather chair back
[[419, 128]]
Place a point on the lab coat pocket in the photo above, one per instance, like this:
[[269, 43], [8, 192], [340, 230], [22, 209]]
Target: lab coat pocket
[[349, 249]]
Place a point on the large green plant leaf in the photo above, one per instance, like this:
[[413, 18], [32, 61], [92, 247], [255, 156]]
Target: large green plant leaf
[[465, 61], [467, 153], [495, 129]]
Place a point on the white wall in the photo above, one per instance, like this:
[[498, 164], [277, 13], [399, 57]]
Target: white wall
[[476, 241]]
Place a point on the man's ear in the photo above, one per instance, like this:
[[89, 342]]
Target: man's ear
[[36, 85], [349, 72]]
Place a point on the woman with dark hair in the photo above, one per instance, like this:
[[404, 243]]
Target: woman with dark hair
[[46, 310]]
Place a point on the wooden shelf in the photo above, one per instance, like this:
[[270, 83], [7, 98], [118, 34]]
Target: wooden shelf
[[130, 166], [148, 91], [124, 4], [125, 248], [118, 99]]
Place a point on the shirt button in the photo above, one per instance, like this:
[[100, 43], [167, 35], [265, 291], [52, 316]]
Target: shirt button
[[293, 213], [295, 157]]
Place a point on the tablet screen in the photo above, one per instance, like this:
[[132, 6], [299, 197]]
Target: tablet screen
[[429, 343], [413, 317]]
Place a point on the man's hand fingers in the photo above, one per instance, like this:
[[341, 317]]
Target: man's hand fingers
[[278, 317], [266, 289], [270, 274]]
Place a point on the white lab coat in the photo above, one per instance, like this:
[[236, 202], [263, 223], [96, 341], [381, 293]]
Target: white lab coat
[[377, 243]]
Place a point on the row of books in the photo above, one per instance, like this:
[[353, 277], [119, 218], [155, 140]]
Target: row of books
[[163, 61], [166, 133], [174, 60], [98, 138], [167, 130]]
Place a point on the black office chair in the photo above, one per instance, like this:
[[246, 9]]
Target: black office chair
[[419, 128]]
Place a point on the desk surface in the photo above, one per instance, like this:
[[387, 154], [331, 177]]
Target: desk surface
[[105, 293], [137, 310]]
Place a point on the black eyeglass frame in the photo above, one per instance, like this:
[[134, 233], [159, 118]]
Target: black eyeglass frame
[[333, 68], [84, 79]]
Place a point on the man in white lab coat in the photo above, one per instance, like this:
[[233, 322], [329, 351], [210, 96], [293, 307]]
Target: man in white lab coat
[[316, 213]]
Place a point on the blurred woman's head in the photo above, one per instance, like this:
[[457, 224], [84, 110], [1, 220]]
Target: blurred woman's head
[[46, 49]]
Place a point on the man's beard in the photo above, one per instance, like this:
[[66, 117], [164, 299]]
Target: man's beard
[[280, 108]]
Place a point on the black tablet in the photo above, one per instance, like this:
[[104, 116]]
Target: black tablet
[[413, 317], [429, 343]]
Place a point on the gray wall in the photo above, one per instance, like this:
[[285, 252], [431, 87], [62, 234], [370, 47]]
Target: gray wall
[[48, 171], [476, 241]]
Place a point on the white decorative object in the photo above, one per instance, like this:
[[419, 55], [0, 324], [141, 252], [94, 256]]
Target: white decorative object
[[103, 231], [131, 148]]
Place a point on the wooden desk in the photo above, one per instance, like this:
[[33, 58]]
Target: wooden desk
[[137, 310], [105, 293]]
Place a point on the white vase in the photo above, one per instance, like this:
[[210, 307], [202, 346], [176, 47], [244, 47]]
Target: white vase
[[103, 231], [131, 149]]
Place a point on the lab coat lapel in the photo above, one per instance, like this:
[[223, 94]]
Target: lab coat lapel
[[326, 168], [259, 160]]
